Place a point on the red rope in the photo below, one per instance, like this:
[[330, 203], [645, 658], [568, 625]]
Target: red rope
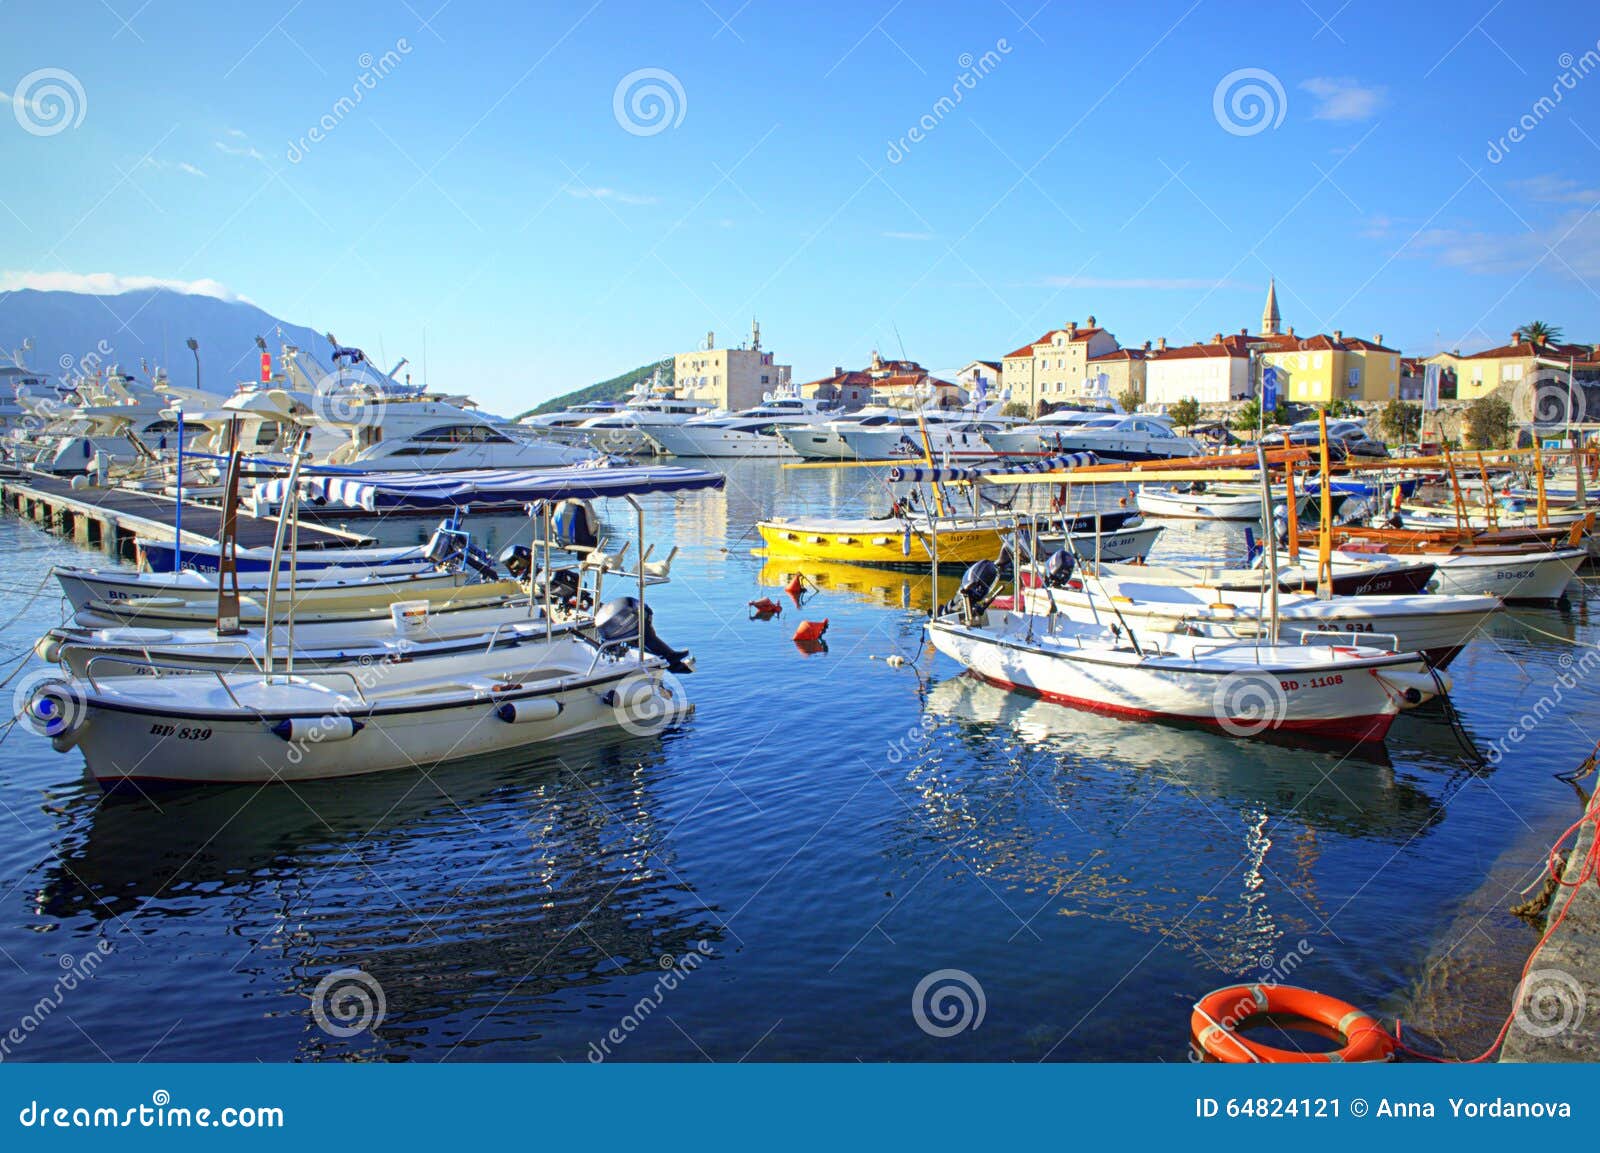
[[1589, 871]]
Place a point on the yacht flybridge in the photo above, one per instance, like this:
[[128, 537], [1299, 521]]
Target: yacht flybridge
[[426, 434]]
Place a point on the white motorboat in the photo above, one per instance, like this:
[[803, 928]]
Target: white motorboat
[[140, 729], [1436, 626], [1334, 689], [1352, 576], [1196, 502], [751, 433], [567, 424]]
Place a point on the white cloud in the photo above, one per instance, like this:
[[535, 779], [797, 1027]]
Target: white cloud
[[1554, 189], [1341, 98], [180, 165], [909, 235], [249, 150], [1151, 282], [1568, 248], [111, 284], [611, 194]]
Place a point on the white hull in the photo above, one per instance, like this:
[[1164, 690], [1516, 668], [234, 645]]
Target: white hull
[[710, 441], [1532, 575], [819, 443], [195, 729], [1199, 506], [1242, 689], [906, 443], [1424, 624]]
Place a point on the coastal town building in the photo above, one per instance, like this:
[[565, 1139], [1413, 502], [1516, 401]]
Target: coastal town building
[[1055, 367], [731, 378], [1213, 372], [901, 383], [1327, 367], [1480, 373], [981, 376]]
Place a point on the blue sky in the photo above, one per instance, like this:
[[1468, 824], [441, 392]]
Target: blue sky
[[486, 191]]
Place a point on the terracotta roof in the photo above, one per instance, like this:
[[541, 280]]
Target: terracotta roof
[[1196, 351], [1077, 337], [1368, 345], [1529, 348], [1123, 354], [910, 380]]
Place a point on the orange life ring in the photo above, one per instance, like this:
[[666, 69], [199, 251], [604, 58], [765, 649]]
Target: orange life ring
[[1218, 1015]]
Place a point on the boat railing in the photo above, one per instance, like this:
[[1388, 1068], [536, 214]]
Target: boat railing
[[162, 668]]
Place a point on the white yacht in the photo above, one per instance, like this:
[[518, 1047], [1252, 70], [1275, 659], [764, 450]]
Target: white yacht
[[1129, 436], [960, 433], [625, 433], [751, 433], [1040, 436], [826, 441], [427, 433], [118, 418], [567, 424]]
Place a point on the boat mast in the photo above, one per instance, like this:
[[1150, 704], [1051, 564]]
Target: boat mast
[[1272, 536], [1324, 528], [291, 497]]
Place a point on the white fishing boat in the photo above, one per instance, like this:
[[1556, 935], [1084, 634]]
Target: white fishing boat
[[1509, 572], [1196, 502], [1436, 626], [1334, 687], [1352, 575], [146, 728]]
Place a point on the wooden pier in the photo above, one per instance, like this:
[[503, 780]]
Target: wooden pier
[[110, 518]]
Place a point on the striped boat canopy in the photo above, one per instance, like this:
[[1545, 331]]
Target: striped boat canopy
[[428, 490], [932, 474]]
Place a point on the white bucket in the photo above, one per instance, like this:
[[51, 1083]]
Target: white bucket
[[410, 617]]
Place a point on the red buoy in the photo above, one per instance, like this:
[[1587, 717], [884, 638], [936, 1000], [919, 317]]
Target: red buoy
[[764, 609], [811, 630]]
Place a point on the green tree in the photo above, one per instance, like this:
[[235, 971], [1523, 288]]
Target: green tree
[[1017, 408], [1400, 421], [1185, 413], [1248, 418], [1488, 423], [1131, 398], [1541, 333]]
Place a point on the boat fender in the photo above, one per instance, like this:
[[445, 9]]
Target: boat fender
[[1217, 1016], [48, 649], [520, 712], [811, 630], [316, 730]]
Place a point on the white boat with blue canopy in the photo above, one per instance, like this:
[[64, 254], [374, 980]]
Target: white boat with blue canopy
[[600, 666]]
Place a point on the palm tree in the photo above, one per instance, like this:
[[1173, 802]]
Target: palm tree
[[1541, 333]]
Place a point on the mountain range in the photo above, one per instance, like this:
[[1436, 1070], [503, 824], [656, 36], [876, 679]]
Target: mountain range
[[145, 329]]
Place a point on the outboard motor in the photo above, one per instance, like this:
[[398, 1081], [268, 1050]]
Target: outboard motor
[[564, 585], [1058, 569], [450, 545], [516, 559], [978, 587], [575, 524], [617, 624]]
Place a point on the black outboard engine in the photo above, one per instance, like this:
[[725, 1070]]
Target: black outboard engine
[[564, 585], [446, 545], [978, 588], [1058, 569], [617, 625], [517, 559], [479, 561]]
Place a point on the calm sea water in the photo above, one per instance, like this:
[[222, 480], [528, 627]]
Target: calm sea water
[[827, 832]]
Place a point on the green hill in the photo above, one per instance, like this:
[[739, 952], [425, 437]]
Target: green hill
[[617, 388]]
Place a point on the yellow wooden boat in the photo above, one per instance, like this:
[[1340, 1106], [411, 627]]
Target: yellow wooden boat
[[872, 540]]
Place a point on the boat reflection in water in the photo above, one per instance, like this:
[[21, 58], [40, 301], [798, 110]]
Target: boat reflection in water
[[488, 903], [890, 588]]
